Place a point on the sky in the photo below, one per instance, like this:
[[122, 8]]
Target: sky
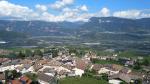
[[72, 10]]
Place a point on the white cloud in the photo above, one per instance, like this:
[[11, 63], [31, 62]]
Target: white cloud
[[145, 15], [128, 14], [105, 12], [67, 13], [41, 7], [76, 14], [68, 1], [50, 17], [61, 3], [84, 8], [12, 10]]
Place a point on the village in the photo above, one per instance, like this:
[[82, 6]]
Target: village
[[50, 69]]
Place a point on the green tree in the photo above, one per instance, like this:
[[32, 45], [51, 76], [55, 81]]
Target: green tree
[[54, 52], [104, 76], [146, 62], [21, 55], [32, 76], [38, 52], [7, 76], [123, 82], [138, 81], [137, 65], [16, 74], [28, 53]]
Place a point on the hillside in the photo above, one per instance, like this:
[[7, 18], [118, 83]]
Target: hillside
[[110, 32], [11, 35]]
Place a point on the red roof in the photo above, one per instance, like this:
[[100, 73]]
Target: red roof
[[17, 81], [26, 79]]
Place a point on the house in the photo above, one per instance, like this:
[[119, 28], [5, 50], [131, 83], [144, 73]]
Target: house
[[46, 79], [110, 69], [47, 56], [2, 69], [81, 64], [107, 71], [15, 62], [16, 81], [62, 73], [78, 72], [129, 63], [2, 77], [125, 70], [54, 63], [90, 55], [49, 70], [116, 67], [114, 81], [128, 78], [68, 66], [5, 52], [19, 68], [26, 61], [123, 60], [146, 79], [107, 57], [26, 80], [36, 67], [3, 60], [25, 68], [71, 74], [96, 67], [21, 80]]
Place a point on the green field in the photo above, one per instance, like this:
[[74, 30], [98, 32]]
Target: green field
[[104, 62], [82, 80]]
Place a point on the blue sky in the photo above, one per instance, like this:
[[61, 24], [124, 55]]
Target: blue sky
[[94, 5], [73, 10]]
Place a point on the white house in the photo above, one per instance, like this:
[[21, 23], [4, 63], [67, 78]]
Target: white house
[[46, 79], [78, 72], [11, 67], [113, 81], [105, 70]]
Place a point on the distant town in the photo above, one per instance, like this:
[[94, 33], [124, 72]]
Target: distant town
[[61, 65]]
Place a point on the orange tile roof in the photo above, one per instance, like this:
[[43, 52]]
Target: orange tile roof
[[26, 79], [16, 81]]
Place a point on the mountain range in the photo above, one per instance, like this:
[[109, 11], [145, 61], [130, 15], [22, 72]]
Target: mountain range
[[110, 32], [95, 28], [95, 24]]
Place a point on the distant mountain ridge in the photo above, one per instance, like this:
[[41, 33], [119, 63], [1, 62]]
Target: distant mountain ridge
[[111, 32], [95, 24], [115, 24], [11, 35], [38, 28]]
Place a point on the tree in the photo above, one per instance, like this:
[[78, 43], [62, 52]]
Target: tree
[[38, 52], [21, 55], [32, 76], [138, 81], [146, 62], [54, 52], [28, 53], [123, 82], [137, 65], [104, 76], [7, 76], [16, 74], [11, 74]]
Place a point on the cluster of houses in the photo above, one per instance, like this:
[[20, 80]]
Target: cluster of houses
[[5, 52], [49, 69]]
